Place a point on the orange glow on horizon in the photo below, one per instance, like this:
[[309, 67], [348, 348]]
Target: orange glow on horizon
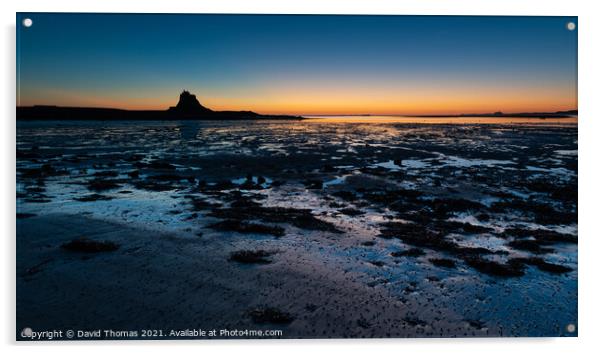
[[330, 101]]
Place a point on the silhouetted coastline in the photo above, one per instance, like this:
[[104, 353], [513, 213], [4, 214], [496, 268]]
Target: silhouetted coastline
[[543, 115], [188, 108]]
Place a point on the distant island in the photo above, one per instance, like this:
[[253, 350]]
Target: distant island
[[188, 108], [542, 115]]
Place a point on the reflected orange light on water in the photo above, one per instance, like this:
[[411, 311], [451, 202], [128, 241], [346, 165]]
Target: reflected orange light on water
[[439, 120]]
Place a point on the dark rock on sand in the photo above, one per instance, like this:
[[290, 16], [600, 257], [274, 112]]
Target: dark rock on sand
[[412, 252], [421, 236], [109, 173], [313, 184], [377, 263], [92, 198], [219, 186], [446, 226], [328, 169], [133, 157], [301, 218], [543, 265], [394, 196], [38, 199], [476, 324], [244, 203], [564, 193], [154, 186], [433, 278], [412, 321], [443, 262], [159, 165], [541, 235], [247, 227], [46, 170], [351, 212], [270, 315], [99, 185], [443, 207], [363, 323], [510, 269], [483, 217], [251, 257], [278, 183], [89, 246], [249, 184], [541, 213], [27, 154], [200, 204], [345, 195], [417, 235], [167, 177]]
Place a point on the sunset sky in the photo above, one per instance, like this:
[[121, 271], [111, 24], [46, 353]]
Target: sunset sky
[[299, 64]]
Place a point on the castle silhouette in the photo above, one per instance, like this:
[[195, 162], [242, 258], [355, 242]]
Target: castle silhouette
[[188, 104]]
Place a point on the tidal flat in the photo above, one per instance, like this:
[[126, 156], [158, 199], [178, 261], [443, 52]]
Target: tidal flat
[[319, 229]]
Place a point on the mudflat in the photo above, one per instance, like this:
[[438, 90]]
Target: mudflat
[[316, 229]]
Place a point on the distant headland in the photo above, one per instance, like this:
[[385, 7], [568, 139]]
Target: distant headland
[[542, 115], [188, 108]]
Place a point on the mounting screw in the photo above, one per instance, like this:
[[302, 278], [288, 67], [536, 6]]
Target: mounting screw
[[571, 26]]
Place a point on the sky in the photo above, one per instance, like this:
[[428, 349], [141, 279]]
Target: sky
[[299, 64]]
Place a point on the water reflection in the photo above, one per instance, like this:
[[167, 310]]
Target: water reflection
[[438, 120]]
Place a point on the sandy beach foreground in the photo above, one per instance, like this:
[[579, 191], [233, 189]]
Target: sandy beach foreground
[[163, 281]]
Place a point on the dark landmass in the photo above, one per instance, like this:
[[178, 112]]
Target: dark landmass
[[542, 115], [188, 108]]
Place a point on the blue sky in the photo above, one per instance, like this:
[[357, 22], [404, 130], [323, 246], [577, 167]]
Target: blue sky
[[299, 64]]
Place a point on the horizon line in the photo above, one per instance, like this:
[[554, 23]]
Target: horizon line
[[319, 114]]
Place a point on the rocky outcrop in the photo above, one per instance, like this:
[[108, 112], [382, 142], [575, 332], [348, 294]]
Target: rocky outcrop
[[188, 104]]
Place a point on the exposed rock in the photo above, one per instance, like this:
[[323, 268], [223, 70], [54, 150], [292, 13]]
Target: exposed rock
[[543, 265], [270, 315], [443, 262], [93, 197], [99, 185], [252, 257], [510, 269], [247, 227], [412, 252], [301, 218], [89, 246]]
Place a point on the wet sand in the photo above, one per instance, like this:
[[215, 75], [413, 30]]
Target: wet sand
[[338, 229], [179, 283]]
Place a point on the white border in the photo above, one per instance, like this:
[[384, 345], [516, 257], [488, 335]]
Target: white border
[[590, 124]]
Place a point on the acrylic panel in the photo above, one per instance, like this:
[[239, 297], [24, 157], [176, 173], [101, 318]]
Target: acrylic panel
[[295, 176]]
